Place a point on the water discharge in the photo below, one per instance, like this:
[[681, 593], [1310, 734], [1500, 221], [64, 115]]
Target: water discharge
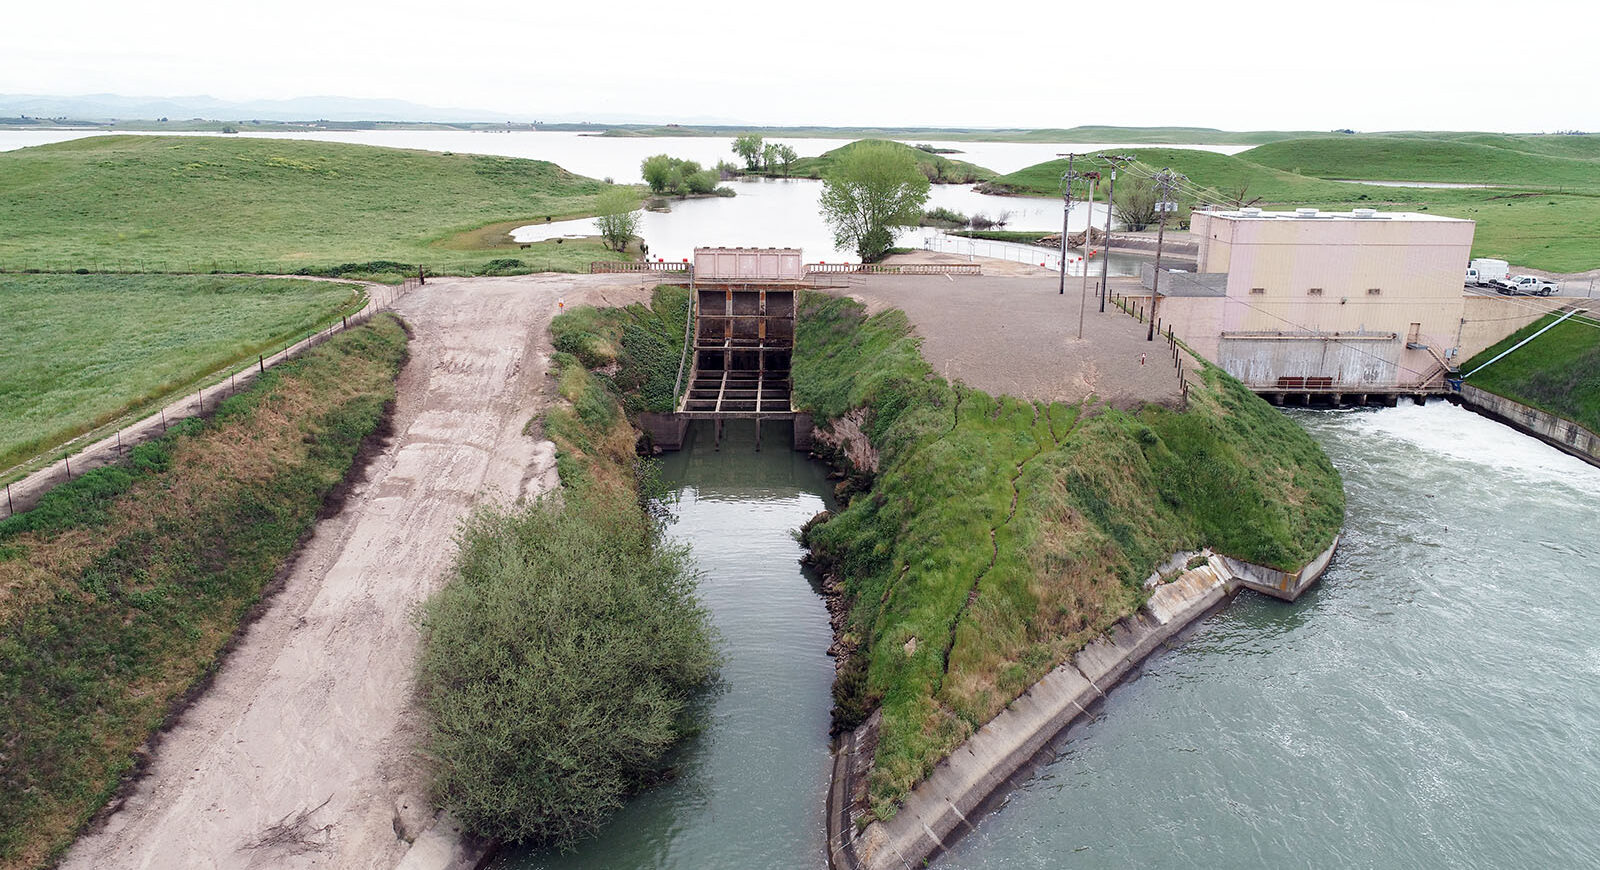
[[1432, 703]]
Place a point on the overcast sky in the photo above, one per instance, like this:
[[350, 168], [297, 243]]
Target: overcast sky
[[1248, 64]]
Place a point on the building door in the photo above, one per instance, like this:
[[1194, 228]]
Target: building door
[[1414, 336]]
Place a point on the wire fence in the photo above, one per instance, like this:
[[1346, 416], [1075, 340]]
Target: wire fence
[[119, 437]]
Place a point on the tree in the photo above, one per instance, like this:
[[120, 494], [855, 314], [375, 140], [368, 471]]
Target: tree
[[618, 220], [784, 156], [657, 172], [1135, 205], [749, 147], [872, 188]]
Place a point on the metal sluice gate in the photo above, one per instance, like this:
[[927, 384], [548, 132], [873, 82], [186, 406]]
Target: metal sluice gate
[[743, 349]]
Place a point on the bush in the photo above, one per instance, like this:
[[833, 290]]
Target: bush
[[559, 666], [941, 216]]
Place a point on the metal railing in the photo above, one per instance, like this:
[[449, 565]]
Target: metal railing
[[611, 266]]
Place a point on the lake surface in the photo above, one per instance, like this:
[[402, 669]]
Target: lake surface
[[770, 212], [750, 789], [1433, 702]]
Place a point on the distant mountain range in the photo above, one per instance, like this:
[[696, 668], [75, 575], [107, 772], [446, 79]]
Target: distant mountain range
[[106, 107]]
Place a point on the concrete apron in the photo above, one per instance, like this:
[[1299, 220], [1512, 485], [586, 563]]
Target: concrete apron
[[946, 805]]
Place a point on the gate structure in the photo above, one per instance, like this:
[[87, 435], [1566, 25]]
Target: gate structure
[[743, 341]]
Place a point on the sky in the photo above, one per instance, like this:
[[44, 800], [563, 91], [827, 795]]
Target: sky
[[1247, 65]]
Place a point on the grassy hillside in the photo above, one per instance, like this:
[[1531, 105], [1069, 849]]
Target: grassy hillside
[[937, 167], [1527, 225], [999, 535], [82, 350], [119, 589], [1219, 171], [1102, 134], [202, 204], [1558, 372], [1456, 161]]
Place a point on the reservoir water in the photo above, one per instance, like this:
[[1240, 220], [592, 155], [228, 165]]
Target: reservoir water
[[748, 793]]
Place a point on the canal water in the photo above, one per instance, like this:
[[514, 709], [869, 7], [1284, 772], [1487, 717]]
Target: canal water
[[1433, 702], [749, 789]]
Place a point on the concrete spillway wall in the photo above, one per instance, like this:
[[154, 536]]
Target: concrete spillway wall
[[947, 804], [1558, 432]]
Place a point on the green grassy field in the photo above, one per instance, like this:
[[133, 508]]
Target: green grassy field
[[1558, 372], [1453, 161], [204, 204], [937, 167], [1536, 224], [1000, 535], [118, 590], [83, 350]]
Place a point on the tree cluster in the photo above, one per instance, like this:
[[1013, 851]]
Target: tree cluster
[[670, 175], [763, 156]]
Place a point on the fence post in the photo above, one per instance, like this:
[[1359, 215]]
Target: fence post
[[11, 508], [68, 461], [261, 363]]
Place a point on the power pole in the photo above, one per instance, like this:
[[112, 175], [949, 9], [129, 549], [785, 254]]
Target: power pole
[[1166, 181], [1114, 160], [1066, 209], [1083, 300]]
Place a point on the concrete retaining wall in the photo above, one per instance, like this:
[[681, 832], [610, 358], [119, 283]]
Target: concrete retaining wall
[[947, 804], [1562, 434]]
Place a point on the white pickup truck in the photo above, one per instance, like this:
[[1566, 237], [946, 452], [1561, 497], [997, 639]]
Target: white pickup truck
[[1525, 285]]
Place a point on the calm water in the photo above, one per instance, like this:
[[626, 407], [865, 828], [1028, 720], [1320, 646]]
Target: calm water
[[1433, 702], [784, 213], [750, 793]]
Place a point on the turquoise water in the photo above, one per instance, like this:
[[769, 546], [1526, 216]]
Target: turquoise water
[[1433, 702]]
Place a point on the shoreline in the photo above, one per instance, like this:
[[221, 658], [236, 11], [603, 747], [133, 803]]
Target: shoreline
[[964, 786]]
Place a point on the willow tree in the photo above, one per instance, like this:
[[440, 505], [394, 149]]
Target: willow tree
[[872, 188]]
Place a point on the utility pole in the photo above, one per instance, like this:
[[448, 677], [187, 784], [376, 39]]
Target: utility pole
[[1166, 181], [1066, 209], [1114, 160], [1083, 300]]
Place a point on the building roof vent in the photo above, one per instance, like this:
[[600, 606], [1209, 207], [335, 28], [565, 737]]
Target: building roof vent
[[1250, 211], [1305, 212], [1364, 213]]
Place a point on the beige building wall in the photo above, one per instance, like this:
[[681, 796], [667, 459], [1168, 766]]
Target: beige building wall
[[1332, 296]]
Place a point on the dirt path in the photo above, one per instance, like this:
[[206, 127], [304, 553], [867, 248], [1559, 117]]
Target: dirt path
[[307, 738], [1016, 334]]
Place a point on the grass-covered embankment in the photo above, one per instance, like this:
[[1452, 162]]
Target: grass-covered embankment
[[120, 588], [937, 168], [83, 350], [1544, 211], [204, 204], [1001, 535], [562, 659], [636, 349], [1558, 372]]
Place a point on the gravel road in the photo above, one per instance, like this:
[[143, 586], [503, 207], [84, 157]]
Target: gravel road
[[1015, 334], [302, 753]]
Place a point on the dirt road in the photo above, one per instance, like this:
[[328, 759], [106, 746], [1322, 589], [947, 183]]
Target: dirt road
[[303, 751]]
